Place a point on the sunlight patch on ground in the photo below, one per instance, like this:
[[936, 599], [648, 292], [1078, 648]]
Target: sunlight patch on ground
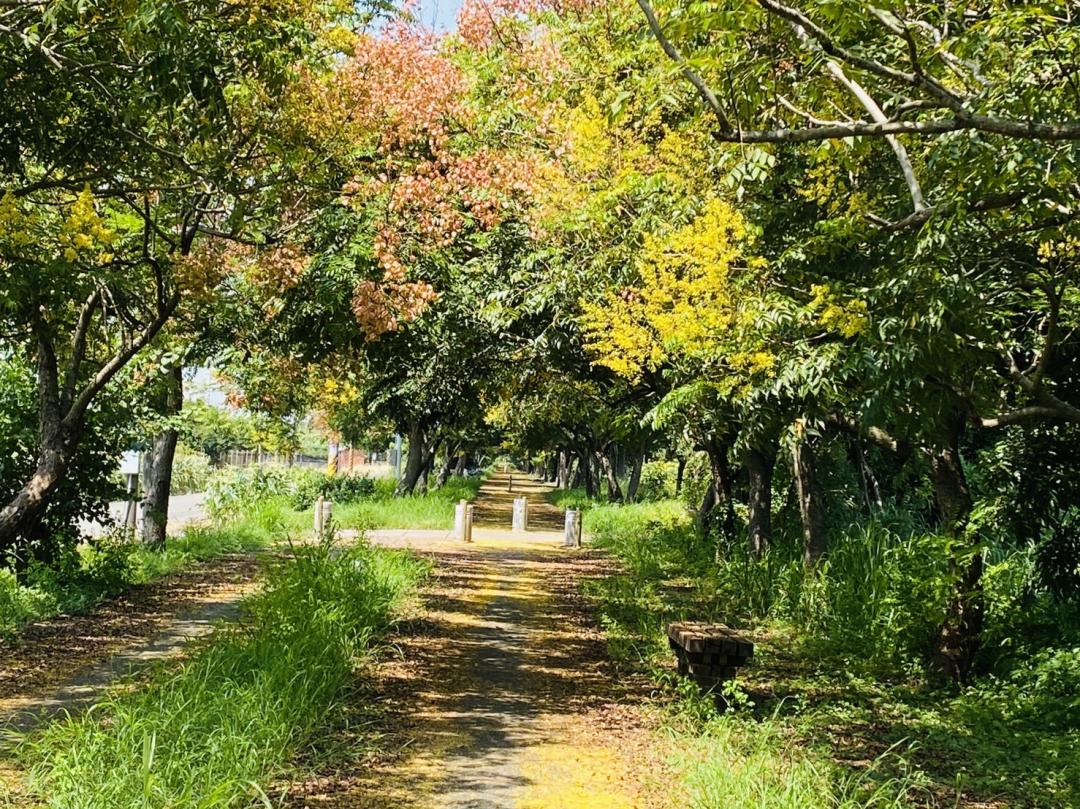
[[575, 776]]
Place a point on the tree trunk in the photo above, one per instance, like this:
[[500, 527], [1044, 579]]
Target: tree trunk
[[680, 473], [614, 491], [414, 461], [960, 634], [708, 503], [562, 476], [717, 450], [160, 470], [56, 445], [585, 470], [759, 467], [446, 468], [811, 513], [635, 476]]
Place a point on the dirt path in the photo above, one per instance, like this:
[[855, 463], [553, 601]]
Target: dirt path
[[67, 662], [501, 695]]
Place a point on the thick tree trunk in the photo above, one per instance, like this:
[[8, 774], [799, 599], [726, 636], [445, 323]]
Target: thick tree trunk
[[160, 469], [607, 467], [635, 476], [759, 467], [811, 511], [461, 465], [960, 634], [414, 461]]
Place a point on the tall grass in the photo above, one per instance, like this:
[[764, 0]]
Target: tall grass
[[434, 509], [734, 763], [216, 731]]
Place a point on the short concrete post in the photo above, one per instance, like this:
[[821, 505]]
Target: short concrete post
[[323, 512], [521, 514], [572, 532], [463, 521]]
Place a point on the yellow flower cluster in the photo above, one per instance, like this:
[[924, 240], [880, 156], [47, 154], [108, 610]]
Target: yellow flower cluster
[[848, 318], [84, 234], [14, 224], [687, 302]]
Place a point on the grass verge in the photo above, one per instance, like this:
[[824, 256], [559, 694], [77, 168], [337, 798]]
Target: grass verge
[[834, 710], [216, 731], [108, 565]]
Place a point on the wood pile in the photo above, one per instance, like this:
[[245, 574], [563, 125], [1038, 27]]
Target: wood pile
[[709, 654]]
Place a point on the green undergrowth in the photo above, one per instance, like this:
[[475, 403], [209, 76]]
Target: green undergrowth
[[838, 707], [218, 730], [108, 565], [359, 503], [434, 509]]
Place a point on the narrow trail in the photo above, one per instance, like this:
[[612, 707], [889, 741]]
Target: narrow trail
[[67, 663], [501, 695]]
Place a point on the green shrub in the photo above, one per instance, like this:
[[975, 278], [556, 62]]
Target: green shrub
[[338, 489], [191, 472], [228, 720], [233, 491], [658, 480]]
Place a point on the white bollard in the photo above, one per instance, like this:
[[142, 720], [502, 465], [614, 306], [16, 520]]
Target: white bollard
[[521, 514], [323, 512], [462, 526], [572, 532], [468, 522]]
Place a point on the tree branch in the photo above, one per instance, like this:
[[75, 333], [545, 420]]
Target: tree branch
[[688, 72]]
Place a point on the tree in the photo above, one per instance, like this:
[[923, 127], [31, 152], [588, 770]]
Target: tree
[[134, 145]]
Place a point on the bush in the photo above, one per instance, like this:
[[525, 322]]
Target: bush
[[338, 489], [232, 492], [658, 480], [191, 472], [231, 717]]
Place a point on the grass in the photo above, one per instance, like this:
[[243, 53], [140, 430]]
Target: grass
[[837, 708], [108, 565], [222, 727], [434, 509]]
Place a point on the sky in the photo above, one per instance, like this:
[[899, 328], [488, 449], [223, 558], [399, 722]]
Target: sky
[[439, 14]]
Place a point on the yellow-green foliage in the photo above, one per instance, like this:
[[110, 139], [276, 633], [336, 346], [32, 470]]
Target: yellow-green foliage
[[692, 301]]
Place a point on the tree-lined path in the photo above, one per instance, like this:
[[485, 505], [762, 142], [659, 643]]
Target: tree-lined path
[[501, 694]]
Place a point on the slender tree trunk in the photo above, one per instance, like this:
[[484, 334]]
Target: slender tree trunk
[[961, 632], [586, 473], [759, 467], [635, 476], [562, 476], [717, 450], [708, 503], [57, 442], [680, 474], [811, 513], [446, 468], [614, 491], [159, 480], [414, 461]]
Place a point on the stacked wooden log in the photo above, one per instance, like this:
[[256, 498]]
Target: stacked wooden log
[[709, 654]]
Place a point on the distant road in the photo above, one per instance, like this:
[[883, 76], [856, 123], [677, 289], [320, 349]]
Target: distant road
[[184, 509]]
